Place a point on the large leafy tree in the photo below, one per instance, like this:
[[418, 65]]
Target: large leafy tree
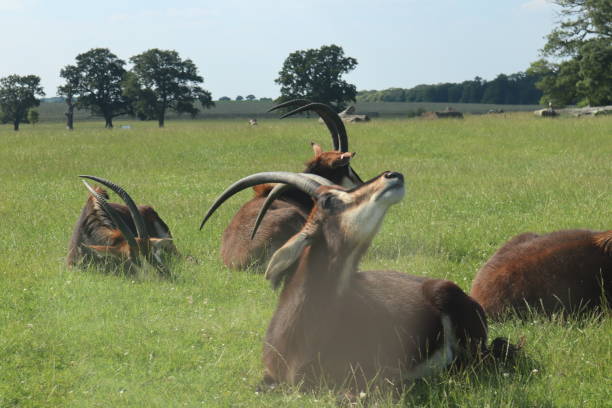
[[581, 49], [18, 96], [316, 74], [161, 80], [69, 91], [98, 79]]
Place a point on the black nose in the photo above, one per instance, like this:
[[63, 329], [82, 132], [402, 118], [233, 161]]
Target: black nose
[[394, 174]]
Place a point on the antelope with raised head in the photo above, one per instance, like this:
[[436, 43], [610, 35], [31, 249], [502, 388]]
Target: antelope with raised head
[[287, 208], [333, 323], [119, 235], [569, 271]]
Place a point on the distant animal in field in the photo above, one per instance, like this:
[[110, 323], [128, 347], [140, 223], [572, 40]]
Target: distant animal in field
[[119, 235], [338, 326], [569, 271], [286, 209], [349, 115], [253, 122]]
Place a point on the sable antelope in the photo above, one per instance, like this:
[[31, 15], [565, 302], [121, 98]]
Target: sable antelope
[[253, 122], [334, 323], [567, 271], [118, 234], [288, 208]]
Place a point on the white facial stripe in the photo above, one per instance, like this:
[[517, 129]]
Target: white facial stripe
[[343, 196]]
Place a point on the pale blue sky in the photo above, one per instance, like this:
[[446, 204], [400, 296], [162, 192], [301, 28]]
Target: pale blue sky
[[239, 46]]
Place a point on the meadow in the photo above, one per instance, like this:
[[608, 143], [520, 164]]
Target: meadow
[[87, 338]]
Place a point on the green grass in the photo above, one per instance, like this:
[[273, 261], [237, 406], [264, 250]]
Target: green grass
[[72, 338]]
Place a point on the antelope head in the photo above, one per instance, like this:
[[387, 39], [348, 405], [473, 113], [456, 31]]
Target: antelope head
[[333, 165], [341, 225], [121, 242]]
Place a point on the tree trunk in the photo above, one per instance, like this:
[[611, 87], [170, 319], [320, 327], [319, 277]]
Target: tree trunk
[[70, 114], [161, 116], [109, 123], [16, 125], [69, 120]]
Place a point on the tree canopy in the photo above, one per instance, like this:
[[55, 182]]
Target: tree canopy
[[18, 96], [161, 80], [581, 49], [517, 89], [316, 74], [97, 79]]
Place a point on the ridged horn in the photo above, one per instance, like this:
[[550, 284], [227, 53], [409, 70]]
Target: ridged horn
[[117, 220], [293, 102], [296, 180], [141, 228], [277, 191], [332, 121]]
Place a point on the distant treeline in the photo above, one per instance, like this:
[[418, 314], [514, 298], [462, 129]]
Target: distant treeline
[[514, 89]]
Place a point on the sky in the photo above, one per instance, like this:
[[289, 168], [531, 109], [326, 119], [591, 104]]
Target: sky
[[239, 46]]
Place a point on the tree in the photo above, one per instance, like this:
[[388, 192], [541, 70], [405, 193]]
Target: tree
[[584, 20], [316, 74], [239, 98], [69, 91], [161, 80], [33, 116], [558, 81], [97, 80], [582, 47], [595, 72], [225, 98], [250, 97], [18, 96]]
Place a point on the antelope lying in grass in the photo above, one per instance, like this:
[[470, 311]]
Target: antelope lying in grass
[[334, 323], [288, 208], [104, 233], [564, 270]]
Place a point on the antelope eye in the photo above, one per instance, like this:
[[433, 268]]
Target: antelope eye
[[327, 202]]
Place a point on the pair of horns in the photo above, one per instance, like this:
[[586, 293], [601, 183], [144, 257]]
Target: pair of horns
[[330, 117], [305, 183], [277, 191], [141, 230]]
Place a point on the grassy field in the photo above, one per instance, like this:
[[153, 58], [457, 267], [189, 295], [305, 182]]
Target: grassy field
[[73, 338]]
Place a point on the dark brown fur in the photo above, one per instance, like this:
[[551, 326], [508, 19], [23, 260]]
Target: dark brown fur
[[284, 219], [95, 228], [376, 325], [565, 270]]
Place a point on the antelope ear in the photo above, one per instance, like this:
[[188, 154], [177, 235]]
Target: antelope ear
[[286, 256], [316, 148], [343, 159], [161, 243]]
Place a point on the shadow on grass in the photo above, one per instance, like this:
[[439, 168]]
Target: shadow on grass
[[487, 383], [110, 266], [494, 383]]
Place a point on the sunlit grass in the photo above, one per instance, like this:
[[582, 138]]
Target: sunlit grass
[[89, 338]]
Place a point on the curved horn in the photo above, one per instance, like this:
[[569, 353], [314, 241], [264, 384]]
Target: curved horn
[[116, 218], [141, 229], [302, 183], [292, 102], [277, 191], [331, 119]]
